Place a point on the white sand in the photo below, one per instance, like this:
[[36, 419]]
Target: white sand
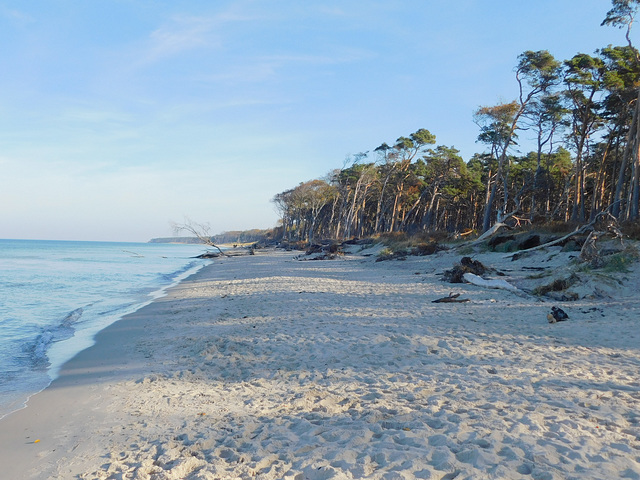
[[271, 368]]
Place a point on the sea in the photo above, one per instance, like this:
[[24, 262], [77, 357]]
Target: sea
[[56, 295]]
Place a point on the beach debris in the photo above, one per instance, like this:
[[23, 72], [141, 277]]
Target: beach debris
[[452, 298], [491, 283], [325, 251], [466, 265], [605, 224], [391, 254], [427, 248], [207, 255], [497, 240], [557, 315], [557, 288]]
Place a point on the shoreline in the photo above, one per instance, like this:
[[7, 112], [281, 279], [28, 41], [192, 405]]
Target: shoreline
[[267, 367], [103, 362], [59, 353]]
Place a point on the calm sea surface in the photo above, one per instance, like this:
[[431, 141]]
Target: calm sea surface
[[55, 296]]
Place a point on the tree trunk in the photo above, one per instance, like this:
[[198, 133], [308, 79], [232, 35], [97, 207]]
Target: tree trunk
[[631, 139], [635, 197], [486, 222]]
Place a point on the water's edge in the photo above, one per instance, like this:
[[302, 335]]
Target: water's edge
[[86, 339]]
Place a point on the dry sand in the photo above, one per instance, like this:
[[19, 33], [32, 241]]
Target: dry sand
[[272, 368]]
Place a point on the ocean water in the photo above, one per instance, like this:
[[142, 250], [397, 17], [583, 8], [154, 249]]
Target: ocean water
[[55, 296]]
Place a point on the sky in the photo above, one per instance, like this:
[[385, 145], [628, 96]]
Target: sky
[[119, 117]]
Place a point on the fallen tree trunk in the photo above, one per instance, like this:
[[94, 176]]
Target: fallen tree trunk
[[495, 284], [494, 229], [577, 231], [606, 222]]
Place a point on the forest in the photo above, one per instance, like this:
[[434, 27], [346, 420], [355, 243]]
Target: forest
[[582, 114]]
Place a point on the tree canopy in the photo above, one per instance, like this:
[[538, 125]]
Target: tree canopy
[[583, 115]]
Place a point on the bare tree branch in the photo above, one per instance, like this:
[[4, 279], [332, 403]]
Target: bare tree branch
[[200, 230], [604, 222]]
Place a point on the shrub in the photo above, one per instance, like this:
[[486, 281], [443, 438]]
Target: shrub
[[391, 254], [620, 262]]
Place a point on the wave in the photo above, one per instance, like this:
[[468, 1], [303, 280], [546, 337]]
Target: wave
[[172, 277], [38, 349], [72, 317]]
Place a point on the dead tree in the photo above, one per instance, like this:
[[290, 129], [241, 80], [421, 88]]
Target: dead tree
[[605, 224], [502, 218], [199, 230]]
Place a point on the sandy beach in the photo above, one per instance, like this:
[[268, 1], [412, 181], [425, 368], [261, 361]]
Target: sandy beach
[[270, 367]]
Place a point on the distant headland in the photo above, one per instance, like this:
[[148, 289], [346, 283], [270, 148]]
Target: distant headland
[[232, 237]]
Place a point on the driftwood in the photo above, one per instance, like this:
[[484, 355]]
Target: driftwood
[[207, 255], [452, 298], [590, 251], [602, 220], [488, 234], [466, 265], [501, 223], [605, 225], [494, 283]]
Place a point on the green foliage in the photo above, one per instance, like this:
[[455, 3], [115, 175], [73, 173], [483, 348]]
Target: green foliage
[[618, 262], [584, 70], [386, 253], [540, 70], [622, 13], [586, 103], [496, 125]]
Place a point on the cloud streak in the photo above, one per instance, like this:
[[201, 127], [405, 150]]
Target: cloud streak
[[184, 33]]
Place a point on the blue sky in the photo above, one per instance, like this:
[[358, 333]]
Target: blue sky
[[117, 117]]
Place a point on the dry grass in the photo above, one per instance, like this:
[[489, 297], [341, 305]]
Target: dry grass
[[557, 285], [401, 244]]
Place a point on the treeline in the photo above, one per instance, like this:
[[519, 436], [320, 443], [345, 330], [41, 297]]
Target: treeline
[[231, 237], [582, 115], [242, 236]]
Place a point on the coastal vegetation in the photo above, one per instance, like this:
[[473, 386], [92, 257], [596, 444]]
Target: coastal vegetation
[[581, 114], [233, 237]]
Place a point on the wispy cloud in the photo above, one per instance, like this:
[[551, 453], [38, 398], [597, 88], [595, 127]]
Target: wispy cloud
[[183, 33]]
